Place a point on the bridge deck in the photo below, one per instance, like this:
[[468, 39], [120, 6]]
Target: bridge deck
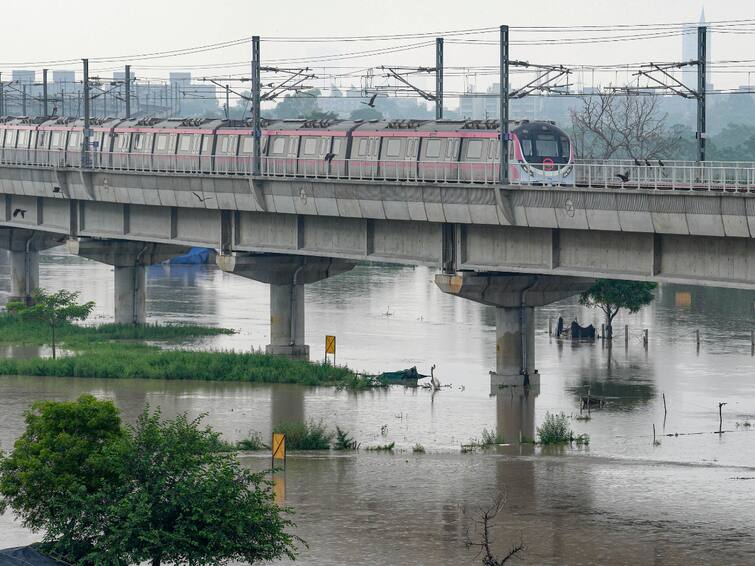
[[723, 177]]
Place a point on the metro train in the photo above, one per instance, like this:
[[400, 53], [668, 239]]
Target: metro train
[[430, 150]]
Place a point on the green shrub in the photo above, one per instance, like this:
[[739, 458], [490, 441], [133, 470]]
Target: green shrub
[[490, 438], [556, 430], [382, 447], [343, 441], [305, 436], [252, 443], [418, 448]]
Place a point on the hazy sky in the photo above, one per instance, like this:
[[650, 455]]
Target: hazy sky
[[45, 30]]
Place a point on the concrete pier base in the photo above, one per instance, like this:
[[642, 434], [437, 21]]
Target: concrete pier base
[[130, 280], [24, 247], [515, 298], [286, 275]]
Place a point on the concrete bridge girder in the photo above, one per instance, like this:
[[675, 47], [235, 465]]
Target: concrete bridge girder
[[24, 246], [515, 298], [128, 259], [286, 275]]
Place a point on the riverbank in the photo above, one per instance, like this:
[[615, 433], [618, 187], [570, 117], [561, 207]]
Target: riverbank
[[116, 351]]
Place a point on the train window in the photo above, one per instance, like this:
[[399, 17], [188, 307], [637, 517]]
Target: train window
[[432, 149], [55, 140], [73, 140], [546, 146], [246, 144], [162, 142], [474, 149], [337, 145], [310, 146], [279, 146], [493, 149], [23, 138], [184, 142], [137, 141], [206, 143], [364, 144], [526, 147], [393, 147], [410, 147], [223, 144], [11, 140], [41, 139]]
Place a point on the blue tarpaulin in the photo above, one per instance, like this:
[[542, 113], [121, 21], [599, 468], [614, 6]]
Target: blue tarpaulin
[[195, 256], [25, 556]]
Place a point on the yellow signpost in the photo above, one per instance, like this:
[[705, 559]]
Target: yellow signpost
[[279, 448], [330, 348]]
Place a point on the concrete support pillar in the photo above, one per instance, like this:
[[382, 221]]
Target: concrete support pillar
[[128, 259], [24, 246], [24, 275], [287, 321], [515, 298], [130, 302], [286, 275], [514, 346]]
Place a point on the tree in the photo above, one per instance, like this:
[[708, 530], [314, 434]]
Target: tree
[[54, 309], [164, 491], [59, 467], [613, 125], [612, 295]]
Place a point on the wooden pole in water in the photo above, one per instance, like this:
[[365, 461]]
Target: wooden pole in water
[[626, 336], [550, 327], [645, 339], [654, 434], [720, 418], [697, 339]]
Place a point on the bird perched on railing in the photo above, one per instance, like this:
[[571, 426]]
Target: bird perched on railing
[[625, 177]]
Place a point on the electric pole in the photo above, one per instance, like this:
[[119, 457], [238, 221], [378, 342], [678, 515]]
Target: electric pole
[[45, 113], [701, 86], [438, 78], [85, 143], [23, 99], [257, 121], [504, 106], [128, 92], [2, 96]]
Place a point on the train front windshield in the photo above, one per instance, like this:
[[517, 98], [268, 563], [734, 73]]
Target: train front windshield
[[543, 143]]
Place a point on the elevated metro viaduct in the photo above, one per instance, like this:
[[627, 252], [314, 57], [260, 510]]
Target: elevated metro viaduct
[[512, 247]]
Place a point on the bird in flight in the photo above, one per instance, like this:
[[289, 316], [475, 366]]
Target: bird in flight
[[18, 211], [371, 103]]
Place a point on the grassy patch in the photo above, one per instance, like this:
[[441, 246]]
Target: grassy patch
[[14, 330], [556, 430], [382, 447], [343, 441], [252, 443], [418, 448], [305, 436]]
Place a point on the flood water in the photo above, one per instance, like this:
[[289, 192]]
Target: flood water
[[620, 500]]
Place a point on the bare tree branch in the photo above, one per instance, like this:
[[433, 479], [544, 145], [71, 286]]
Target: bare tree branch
[[615, 125], [487, 516]]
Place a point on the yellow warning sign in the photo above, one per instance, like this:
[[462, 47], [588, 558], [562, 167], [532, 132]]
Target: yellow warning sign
[[330, 345], [279, 446]]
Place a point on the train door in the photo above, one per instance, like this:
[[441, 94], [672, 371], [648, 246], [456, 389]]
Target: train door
[[337, 163], [120, 156], [58, 141], [313, 150], [206, 164], [365, 160], [246, 149]]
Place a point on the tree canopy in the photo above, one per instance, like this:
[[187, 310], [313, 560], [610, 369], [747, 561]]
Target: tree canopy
[[54, 309], [612, 295], [163, 491]]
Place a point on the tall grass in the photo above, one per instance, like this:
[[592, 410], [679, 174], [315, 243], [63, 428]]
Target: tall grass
[[555, 429], [19, 331], [138, 361], [305, 435]]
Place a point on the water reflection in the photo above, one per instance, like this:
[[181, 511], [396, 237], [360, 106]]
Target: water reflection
[[515, 416]]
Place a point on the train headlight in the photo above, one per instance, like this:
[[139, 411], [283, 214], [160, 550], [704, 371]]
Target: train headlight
[[527, 169], [567, 170]]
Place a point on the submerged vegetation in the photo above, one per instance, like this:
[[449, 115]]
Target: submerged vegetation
[[305, 435], [343, 441], [556, 430], [252, 443], [113, 351]]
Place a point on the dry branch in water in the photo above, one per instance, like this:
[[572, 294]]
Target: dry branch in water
[[487, 516]]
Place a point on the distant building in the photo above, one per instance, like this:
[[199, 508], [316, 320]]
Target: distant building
[[24, 76], [180, 78], [481, 106], [689, 53], [63, 77]]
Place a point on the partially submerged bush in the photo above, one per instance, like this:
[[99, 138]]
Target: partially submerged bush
[[418, 448], [305, 435], [382, 447], [252, 443], [343, 441], [556, 430]]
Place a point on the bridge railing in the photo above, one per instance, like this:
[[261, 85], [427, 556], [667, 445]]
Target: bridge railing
[[606, 174]]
